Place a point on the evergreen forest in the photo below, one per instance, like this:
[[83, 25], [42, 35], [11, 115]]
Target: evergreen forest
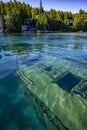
[[13, 14]]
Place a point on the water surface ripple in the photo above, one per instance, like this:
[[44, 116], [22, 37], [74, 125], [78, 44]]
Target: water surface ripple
[[68, 49]]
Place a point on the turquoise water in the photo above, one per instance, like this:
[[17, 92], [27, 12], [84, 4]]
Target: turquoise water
[[68, 49]]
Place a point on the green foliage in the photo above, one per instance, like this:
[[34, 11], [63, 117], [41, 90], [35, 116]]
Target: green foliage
[[42, 21], [13, 14], [52, 14], [35, 12], [80, 21], [81, 11]]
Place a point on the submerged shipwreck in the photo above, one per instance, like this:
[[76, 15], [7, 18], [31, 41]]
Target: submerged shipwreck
[[57, 89]]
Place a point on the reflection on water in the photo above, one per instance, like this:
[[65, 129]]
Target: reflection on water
[[48, 64]]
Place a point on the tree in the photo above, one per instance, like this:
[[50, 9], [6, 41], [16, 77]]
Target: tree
[[52, 14], [2, 13], [81, 11], [42, 22], [80, 22], [34, 12], [13, 14], [60, 15]]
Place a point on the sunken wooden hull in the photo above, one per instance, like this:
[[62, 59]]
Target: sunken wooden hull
[[58, 91]]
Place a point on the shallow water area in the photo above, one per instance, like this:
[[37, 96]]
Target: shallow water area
[[43, 81]]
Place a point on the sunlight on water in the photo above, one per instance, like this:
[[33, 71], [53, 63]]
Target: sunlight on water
[[43, 81]]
